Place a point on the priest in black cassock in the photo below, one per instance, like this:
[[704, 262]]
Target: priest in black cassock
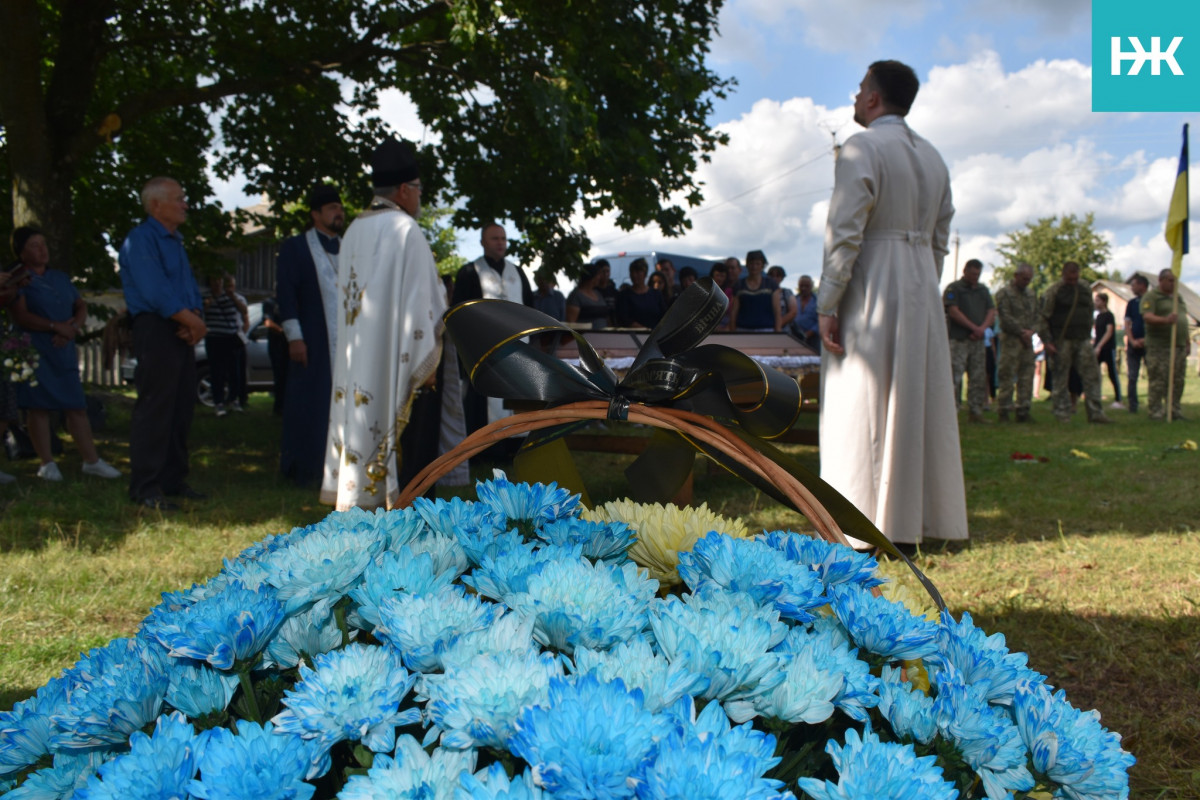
[[306, 294]]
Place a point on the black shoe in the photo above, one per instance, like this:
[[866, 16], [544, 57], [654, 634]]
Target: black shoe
[[157, 503], [188, 493]]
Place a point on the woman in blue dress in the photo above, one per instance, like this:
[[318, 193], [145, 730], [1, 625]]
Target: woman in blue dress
[[53, 312]]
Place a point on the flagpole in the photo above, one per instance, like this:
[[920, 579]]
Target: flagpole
[[1179, 246]]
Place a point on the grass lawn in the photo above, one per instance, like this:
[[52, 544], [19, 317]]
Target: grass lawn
[[1089, 561]]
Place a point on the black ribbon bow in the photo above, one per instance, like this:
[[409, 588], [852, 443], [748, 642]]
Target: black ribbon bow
[[671, 369]]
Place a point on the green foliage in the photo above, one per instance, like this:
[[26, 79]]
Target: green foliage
[[530, 112], [1049, 242], [442, 240]]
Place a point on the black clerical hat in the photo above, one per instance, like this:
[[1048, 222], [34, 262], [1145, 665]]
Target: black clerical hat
[[322, 195], [393, 163]]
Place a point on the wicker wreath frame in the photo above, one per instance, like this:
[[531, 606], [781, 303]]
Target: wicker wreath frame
[[693, 426]]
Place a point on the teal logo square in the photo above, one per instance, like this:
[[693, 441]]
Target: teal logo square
[[1146, 56]]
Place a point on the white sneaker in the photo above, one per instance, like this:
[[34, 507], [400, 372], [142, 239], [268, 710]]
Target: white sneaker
[[220, 409], [1116, 404], [6, 478], [49, 472], [101, 469]]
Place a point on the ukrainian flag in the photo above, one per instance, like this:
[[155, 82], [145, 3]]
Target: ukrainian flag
[[1177, 216]]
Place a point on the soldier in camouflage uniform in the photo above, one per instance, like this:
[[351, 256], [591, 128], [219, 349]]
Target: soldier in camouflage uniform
[[1065, 325], [969, 312], [1156, 307], [1016, 307]]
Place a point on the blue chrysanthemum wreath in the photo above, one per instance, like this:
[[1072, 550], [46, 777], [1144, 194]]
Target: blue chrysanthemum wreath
[[522, 646]]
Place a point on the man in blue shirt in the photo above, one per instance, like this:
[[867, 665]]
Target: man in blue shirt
[[164, 303], [1135, 338]]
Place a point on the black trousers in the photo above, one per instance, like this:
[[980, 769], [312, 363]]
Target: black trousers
[[162, 416], [420, 437]]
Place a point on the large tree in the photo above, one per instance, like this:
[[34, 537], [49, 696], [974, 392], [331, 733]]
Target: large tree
[[535, 109], [1049, 242]]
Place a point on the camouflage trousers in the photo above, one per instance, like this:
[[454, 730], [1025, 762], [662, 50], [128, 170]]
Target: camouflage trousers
[[969, 356], [1158, 366], [1016, 366], [1077, 353]]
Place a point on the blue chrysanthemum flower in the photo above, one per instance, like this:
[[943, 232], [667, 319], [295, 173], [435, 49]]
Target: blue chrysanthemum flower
[[196, 689], [411, 774], [353, 694], [255, 764], [327, 563], [755, 568], [446, 552], [477, 528], [508, 633], [499, 576], [590, 741], [705, 759], [978, 656], [401, 526], [402, 571], [870, 768], [112, 692], [1070, 746], [908, 711], [580, 604], [536, 503], [157, 766], [727, 638], [834, 563], [984, 734], [806, 693], [476, 704], [495, 785], [68, 773], [833, 652], [26, 730], [605, 541], [422, 627], [639, 667], [880, 626], [269, 544], [222, 629], [305, 635]]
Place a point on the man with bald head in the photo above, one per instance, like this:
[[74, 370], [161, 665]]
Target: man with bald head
[[164, 304], [1016, 308]]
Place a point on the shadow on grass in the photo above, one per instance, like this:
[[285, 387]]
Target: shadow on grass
[[234, 460]]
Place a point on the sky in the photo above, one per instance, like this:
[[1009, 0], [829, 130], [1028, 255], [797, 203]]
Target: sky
[[1005, 96]]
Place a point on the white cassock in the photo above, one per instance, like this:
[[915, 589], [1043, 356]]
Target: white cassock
[[499, 286], [889, 430], [389, 334]]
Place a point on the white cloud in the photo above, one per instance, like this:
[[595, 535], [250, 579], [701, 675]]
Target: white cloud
[[978, 107]]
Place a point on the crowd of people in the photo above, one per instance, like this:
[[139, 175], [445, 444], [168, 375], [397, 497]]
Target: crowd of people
[[373, 391], [1075, 333], [758, 301]]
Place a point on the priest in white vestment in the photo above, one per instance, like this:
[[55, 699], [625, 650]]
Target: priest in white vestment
[[889, 431], [389, 334]]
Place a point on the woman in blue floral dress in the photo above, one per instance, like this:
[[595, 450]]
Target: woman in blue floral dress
[[51, 309]]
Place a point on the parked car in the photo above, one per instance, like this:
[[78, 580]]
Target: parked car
[[259, 377]]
